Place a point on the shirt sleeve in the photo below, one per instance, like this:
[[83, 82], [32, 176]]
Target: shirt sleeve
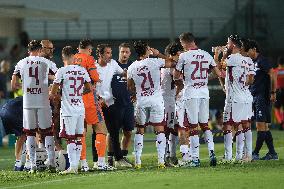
[[87, 76], [251, 68], [92, 69], [17, 70], [118, 69], [129, 72], [180, 63], [160, 62], [53, 67], [211, 61], [58, 76]]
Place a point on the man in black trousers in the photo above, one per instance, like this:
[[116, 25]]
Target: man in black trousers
[[263, 91]]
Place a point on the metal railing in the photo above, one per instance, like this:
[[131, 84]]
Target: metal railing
[[121, 28]]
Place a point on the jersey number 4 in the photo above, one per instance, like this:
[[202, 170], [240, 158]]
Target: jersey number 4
[[33, 72]]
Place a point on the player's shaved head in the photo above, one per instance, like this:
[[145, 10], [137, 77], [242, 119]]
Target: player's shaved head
[[46, 42], [34, 45], [187, 37], [85, 43], [236, 40], [68, 51]]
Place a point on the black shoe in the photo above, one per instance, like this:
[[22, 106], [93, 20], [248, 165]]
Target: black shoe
[[213, 159], [270, 156], [128, 161], [110, 161]]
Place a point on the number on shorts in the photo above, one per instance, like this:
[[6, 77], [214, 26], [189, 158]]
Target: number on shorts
[[34, 74], [73, 86]]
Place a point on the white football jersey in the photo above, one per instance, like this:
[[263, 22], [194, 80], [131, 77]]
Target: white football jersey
[[195, 64], [104, 86], [34, 71], [167, 84], [72, 78], [147, 77], [250, 70], [236, 75]]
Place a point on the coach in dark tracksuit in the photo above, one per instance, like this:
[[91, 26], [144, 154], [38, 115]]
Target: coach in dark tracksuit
[[124, 110], [263, 91]]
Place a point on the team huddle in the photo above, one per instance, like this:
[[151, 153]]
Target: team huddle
[[167, 91]]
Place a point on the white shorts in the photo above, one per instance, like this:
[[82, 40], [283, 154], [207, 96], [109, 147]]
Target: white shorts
[[248, 109], [197, 110], [181, 116], [37, 118], [170, 114], [152, 113], [71, 126], [234, 112]]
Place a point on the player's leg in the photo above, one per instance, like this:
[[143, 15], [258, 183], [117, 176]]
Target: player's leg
[[182, 132], [239, 115], [20, 153], [156, 119], [140, 120], [271, 155], [79, 134], [260, 118], [67, 131], [203, 117], [44, 121], [30, 124], [127, 122], [227, 131], [192, 109]]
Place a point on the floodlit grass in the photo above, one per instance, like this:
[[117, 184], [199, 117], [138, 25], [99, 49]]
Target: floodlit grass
[[260, 174]]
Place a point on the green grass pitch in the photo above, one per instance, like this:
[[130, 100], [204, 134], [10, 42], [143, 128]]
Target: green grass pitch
[[260, 174]]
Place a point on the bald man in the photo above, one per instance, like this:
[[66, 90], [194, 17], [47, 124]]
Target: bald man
[[47, 49]]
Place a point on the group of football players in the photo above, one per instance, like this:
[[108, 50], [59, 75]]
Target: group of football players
[[169, 92]]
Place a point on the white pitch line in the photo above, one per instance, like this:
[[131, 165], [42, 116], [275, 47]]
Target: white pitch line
[[50, 181]]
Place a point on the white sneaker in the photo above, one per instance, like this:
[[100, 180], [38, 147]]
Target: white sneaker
[[95, 165], [105, 167], [85, 168], [69, 171], [122, 164]]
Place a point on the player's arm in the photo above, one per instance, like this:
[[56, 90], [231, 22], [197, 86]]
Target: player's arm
[[53, 91], [92, 70], [15, 84], [250, 79], [169, 62], [87, 88], [273, 79]]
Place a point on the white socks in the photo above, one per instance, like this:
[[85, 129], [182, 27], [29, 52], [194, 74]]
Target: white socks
[[248, 142], [31, 147], [78, 151], [71, 150], [239, 145], [138, 146], [228, 140], [208, 138], [194, 142], [23, 153], [184, 150], [49, 146], [161, 145]]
